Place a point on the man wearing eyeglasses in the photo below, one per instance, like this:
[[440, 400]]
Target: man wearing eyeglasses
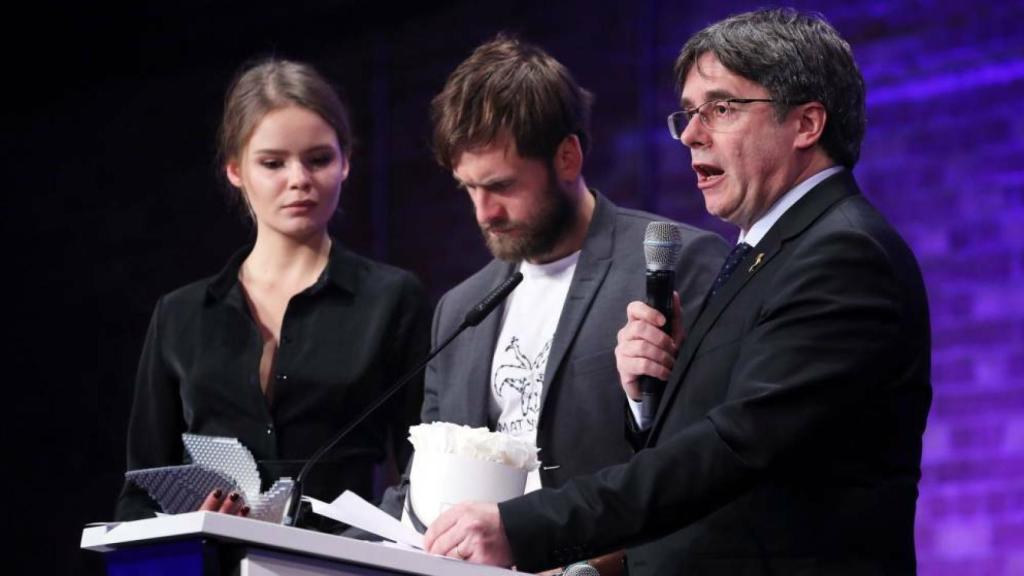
[[789, 436]]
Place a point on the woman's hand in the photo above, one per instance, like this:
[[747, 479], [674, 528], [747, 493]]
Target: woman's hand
[[233, 504]]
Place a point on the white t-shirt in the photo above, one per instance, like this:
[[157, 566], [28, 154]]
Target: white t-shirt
[[521, 356]]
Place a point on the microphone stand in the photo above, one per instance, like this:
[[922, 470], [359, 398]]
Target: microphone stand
[[473, 317]]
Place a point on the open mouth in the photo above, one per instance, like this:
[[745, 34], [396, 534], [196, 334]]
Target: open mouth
[[707, 174], [707, 171]]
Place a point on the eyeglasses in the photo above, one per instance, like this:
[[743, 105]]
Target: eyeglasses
[[717, 115]]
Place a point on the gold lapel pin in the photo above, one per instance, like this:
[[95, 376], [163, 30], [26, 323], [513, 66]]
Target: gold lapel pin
[[756, 264]]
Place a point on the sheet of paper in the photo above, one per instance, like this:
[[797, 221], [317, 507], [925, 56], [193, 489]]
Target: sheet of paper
[[354, 511], [107, 526]]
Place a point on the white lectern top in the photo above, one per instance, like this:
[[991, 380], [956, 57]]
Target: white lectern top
[[104, 538]]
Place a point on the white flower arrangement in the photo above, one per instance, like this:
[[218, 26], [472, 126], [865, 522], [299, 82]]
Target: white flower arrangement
[[476, 443]]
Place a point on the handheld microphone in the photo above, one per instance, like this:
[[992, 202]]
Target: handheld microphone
[[580, 569], [662, 244], [474, 316]]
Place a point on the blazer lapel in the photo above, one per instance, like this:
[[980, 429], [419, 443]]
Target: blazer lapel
[[793, 222], [477, 381], [745, 270], [591, 270]]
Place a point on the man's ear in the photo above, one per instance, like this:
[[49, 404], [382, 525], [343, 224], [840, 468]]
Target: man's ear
[[810, 118], [568, 161]]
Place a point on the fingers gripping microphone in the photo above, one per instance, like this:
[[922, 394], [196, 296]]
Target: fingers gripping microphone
[[475, 315], [662, 244]]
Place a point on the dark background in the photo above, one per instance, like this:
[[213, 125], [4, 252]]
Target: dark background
[[112, 199]]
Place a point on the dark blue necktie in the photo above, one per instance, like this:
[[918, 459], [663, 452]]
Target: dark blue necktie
[[735, 256]]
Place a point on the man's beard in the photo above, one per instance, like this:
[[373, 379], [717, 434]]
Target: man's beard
[[537, 236]]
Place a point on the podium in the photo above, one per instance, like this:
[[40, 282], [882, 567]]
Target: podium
[[212, 544]]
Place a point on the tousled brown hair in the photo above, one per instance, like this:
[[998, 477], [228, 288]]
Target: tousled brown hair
[[507, 85]]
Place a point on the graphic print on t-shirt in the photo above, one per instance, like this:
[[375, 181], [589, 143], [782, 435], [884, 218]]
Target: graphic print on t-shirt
[[523, 377], [521, 353]]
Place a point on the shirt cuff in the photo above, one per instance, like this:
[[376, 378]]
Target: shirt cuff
[[635, 407]]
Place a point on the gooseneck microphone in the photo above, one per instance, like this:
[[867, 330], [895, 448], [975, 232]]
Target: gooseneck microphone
[[662, 244], [473, 317]]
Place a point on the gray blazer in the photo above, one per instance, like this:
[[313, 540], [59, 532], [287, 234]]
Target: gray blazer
[[581, 427]]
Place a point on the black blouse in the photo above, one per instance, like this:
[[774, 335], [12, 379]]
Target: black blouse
[[343, 341]]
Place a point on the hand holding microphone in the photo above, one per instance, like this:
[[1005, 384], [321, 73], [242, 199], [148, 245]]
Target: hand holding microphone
[[648, 343], [644, 348]]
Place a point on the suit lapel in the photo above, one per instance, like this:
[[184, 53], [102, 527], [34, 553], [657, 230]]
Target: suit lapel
[[485, 338], [713, 308], [591, 270], [792, 223]]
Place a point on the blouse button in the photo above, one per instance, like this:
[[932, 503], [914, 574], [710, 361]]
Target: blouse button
[[270, 429], [282, 377]]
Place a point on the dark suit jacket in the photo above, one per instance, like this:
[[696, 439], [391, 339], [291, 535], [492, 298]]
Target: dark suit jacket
[[582, 419], [789, 438]]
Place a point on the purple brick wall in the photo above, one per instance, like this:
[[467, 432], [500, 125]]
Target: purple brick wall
[[944, 158]]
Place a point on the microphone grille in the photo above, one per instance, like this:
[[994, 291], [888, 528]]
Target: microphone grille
[[581, 569], [662, 244]]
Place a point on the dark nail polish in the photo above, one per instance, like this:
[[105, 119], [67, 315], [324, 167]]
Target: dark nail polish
[[233, 497], [245, 510], [218, 494]]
